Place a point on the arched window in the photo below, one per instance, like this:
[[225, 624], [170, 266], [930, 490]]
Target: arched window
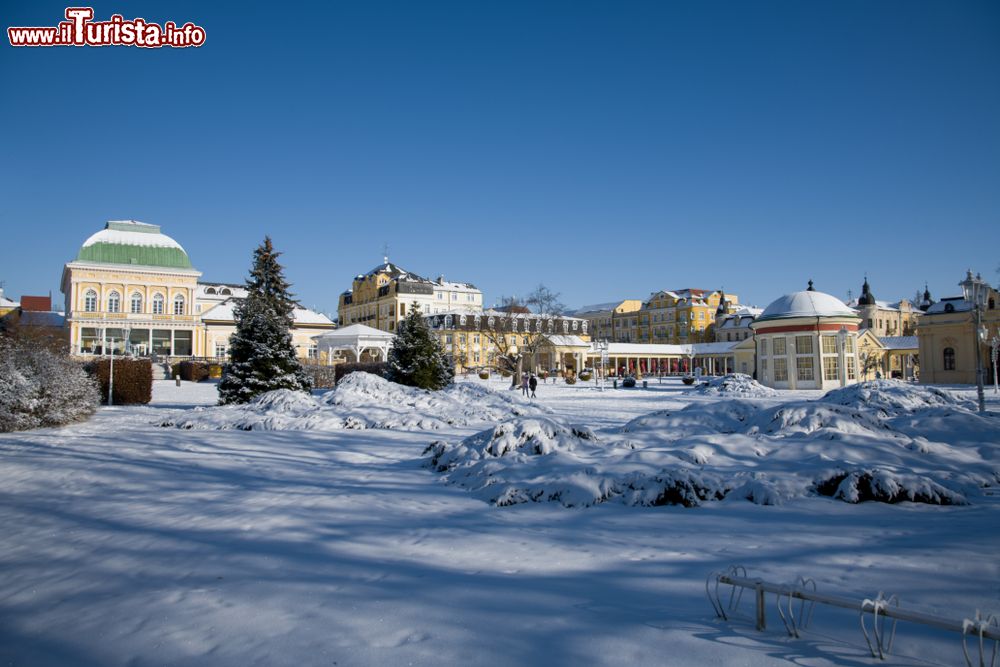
[[949, 358], [179, 304], [114, 302], [209, 290], [226, 291], [136, 302], [157, 304], [90, 301]]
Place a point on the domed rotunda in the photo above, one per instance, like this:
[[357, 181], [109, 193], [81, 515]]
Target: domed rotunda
[[807, 340]]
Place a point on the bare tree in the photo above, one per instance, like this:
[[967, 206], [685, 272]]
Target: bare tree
[[545, 301]]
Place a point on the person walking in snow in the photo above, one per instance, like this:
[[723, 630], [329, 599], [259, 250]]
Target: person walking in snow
[[524, 384], [532, 384]]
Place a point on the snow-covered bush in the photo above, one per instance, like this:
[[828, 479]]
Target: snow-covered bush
[[736, 384], [41, 387]]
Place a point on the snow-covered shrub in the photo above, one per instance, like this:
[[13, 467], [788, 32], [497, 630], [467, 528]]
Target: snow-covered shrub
[[893, 397], [323, 377], [133, 380], [629, 381], [886, 487], [379, 368], [41, 387], [736, 384]]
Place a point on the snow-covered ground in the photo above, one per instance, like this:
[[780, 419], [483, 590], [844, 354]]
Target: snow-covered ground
[[303, 542]]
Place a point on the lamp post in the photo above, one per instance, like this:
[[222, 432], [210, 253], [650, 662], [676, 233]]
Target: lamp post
[[842, 344], [975, 291], [995, 350], [602, 347]]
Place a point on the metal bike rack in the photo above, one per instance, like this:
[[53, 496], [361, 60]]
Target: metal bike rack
[[795, 604]]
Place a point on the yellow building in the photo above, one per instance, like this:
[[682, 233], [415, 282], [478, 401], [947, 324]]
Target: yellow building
[[477, 340], [130, 282], [616, 321], [131, 278], [948, 340], [683, 316], [884, 318], [381, 297]]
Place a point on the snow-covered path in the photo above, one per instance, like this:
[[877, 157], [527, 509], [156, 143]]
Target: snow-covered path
[[129, 544]]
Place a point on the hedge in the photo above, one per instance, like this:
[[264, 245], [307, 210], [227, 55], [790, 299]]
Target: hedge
[[324, 377], [190, 371], [133, 380]]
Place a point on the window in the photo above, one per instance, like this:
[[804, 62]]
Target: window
[[313, 352], [804, 369], [831, 368], [114, 302], [136, 305], [209, 290], [850, 368], [157, 304], [763, 347], [90, 301], [179, 305], [803, 345], [780, 369], [220, 350], [475, 339], [829, 345], [778, 347], [849, 344], [949, 358]]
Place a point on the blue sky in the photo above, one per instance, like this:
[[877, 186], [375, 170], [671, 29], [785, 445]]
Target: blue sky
[[606, 149]]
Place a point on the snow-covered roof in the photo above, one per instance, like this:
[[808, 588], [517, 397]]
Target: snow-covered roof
[[7, 303], [562, 340], [223, 312], [956, 303], [595, 308], [899, 342], [353, 333], [639, 349], [132, 242], [807, 303]]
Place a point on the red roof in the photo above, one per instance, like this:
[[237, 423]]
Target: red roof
[[36, 303]]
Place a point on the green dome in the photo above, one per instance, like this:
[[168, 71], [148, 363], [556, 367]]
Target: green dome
[[135, 243]]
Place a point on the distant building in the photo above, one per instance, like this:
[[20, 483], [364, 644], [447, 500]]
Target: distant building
[[947, 339], [683, 316], [884, 318], [477, 339], [735, 326], [381, 297], [34, 318], [615, 321], [807, 340], [6, 305]]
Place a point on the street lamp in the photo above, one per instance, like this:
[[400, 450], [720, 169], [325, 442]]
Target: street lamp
[[842, 342], [995, 351], [975, 291]]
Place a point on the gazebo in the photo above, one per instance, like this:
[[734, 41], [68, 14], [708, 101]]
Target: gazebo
[[356, 339]]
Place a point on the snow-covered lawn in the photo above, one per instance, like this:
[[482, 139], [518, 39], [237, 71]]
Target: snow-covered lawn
[[130, 543]]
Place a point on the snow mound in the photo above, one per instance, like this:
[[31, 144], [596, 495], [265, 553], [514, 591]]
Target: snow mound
[[736, 384], [892, 397], [914, 444], [360, 401]]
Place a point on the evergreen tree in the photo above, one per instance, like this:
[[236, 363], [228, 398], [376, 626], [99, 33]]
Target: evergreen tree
[[417, 358], [262, 356]]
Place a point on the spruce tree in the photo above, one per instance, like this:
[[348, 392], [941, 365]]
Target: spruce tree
[[262, 356], [417, 358]]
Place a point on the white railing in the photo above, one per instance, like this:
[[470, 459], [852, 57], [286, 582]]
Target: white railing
[[794, 603]]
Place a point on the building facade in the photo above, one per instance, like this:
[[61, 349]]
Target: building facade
[[616, 321], [886, 319], [133, 289], [947, 338], [382, 297], [476, 340]]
